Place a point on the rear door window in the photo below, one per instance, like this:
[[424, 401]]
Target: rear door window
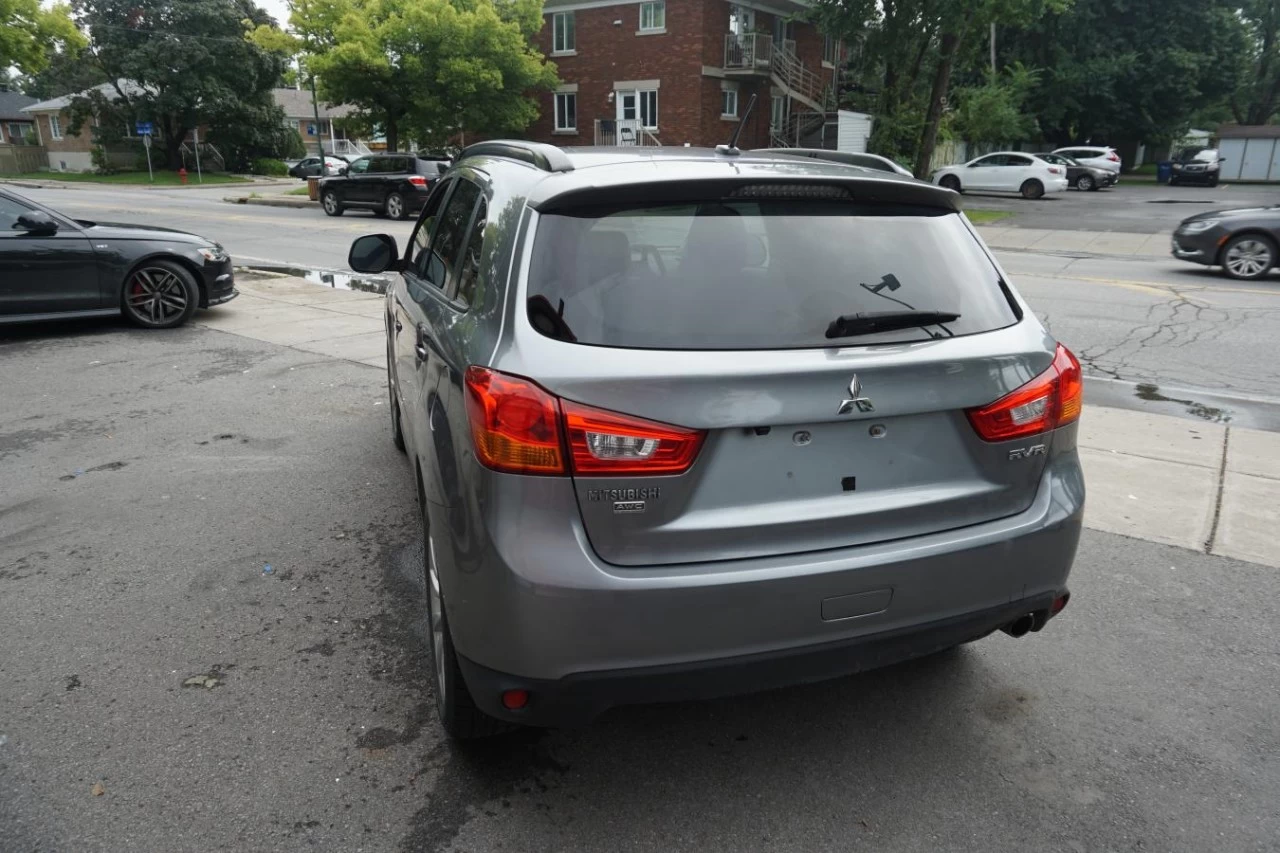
[[767, 274], [439, 263]]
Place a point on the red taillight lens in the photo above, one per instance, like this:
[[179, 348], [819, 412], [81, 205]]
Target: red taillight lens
[[1049, 401], [515, 425], [1055, 170], [604, 444], [1113, 157], [418, 180]]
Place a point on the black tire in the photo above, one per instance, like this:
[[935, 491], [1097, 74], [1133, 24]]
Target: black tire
[[1031, 189], [1086, 183], [331, 203], [397, 429], [159, 294], [394, 207], [1173, 182], [459, 716], [1213, 182], [1248, 257], [950, 182]]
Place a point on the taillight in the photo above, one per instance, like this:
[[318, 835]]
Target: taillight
[[1049, 401], [515, 425], [603, 443], [520, 428], [1113, 157], [1055, 170], [418, 180]]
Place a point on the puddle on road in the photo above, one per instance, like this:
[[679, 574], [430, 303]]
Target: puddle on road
[[331, 278], [1151, 393]]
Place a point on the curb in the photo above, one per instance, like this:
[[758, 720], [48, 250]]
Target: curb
[[93, 185], [297, 202]]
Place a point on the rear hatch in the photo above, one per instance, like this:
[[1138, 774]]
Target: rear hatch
[[814, 432]]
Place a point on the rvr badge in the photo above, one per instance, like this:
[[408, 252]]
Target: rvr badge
[[855, 399]]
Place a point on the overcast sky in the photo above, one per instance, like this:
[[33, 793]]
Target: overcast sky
[[278, 9]]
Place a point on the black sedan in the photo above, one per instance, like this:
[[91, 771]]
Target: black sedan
[[1243, 242], [1080, 176], [53, 267], [394, 185]]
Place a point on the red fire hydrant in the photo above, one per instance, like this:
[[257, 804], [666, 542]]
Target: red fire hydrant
[[182, 174]]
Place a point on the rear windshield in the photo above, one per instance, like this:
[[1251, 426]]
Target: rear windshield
[[749, 275]]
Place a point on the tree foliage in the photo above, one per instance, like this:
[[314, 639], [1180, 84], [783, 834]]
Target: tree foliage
[[426, 68], [187, 63], [31, 33], [1258, 98], [994, 111]]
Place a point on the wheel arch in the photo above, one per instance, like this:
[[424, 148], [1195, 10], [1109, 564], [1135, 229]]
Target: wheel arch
[[181, 260]]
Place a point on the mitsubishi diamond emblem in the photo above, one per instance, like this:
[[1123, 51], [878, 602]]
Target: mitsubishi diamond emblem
[[855, 399]]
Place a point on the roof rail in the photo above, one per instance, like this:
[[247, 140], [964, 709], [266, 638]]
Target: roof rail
[[546, 157]]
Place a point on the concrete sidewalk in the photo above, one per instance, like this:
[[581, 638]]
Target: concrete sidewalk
[[1206, 487], [1115, 243]]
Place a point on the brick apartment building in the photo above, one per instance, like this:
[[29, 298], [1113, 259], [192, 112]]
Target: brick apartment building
[[672, 72]]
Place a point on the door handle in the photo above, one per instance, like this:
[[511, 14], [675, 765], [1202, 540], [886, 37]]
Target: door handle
[[399, 326], [420, 346]]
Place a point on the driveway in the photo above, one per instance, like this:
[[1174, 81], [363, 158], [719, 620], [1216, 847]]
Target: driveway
[[1135, 207]]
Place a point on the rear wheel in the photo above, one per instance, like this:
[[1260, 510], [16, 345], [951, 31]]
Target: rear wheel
[[1248, 257], [159, 295], [1086, 183], [1032, 189], [395, 206], [332, 204], [951, 182]]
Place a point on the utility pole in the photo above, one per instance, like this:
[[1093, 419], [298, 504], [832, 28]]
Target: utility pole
[[315, 106], [993, 48]]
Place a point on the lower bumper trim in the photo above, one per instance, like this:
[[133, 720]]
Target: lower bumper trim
[[579, 698], [226, 297]]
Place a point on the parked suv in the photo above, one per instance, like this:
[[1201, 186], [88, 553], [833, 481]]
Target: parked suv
[[1093, 155], [394, 185], [691, 423]]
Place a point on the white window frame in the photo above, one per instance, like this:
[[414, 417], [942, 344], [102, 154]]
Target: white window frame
[[830, 51], [657, 14], [564, 34], [561, 108], [650, 121], [777, 111], [728, 88], [55, 126]]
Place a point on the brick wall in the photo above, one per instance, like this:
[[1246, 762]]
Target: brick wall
[[79, 143]]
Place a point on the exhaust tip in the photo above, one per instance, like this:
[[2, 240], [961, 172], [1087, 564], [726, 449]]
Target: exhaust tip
[[1021, 626]]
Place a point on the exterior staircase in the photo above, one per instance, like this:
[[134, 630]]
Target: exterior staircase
[[796, 128], [756, 54]]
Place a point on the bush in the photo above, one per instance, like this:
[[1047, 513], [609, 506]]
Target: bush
[[101, 162], [268, 166]]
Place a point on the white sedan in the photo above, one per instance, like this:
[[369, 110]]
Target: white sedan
[[1004, 172]]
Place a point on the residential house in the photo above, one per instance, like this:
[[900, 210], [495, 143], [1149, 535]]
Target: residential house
[[681, 72], [73, 152], [300, 115], [16, 127]]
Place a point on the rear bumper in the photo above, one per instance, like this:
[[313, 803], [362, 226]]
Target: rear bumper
[[531, 606], [1057, 184]]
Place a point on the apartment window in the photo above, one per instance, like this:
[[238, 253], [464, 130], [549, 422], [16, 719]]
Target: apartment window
[[729, 100], [55, 126], [17, 134], [777, 111], [830, 47], [566, 111], [649, 109], [653, 16], [741, 20], [562, 34]]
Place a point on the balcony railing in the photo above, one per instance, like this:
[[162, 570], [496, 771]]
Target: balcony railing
[[748, 51], [624, 133]]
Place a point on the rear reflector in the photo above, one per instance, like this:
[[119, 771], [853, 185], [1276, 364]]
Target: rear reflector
[[1047, 402], [520, 428], [514, 700]]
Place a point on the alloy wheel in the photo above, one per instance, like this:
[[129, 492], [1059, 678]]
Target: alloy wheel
[[156, 295], [330, 204], [1248, 258], [395, 206]]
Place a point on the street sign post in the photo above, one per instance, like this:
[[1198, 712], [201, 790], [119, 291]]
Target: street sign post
[[143, 129]]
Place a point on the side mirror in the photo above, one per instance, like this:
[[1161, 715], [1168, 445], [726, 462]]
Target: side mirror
[[374, 253], [1222, 159], [36, 222]]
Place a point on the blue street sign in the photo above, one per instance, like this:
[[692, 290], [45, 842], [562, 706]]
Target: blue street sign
[[143, 128]]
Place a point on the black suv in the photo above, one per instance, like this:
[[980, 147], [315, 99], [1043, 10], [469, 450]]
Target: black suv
[[1197, 165], [394, 185]]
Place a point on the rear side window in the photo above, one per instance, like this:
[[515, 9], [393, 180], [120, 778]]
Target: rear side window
[[768, 274], [450, 231]]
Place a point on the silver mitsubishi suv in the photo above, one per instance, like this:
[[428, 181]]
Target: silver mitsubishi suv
[[687, 423]]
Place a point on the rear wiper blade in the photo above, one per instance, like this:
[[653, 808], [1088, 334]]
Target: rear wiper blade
[[870, 323]]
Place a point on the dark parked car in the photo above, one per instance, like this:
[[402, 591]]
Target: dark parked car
[[1197, 165], [309, 167], [1080, 176], [52, 267], [394, 185], [689, 423], [1243, 242]]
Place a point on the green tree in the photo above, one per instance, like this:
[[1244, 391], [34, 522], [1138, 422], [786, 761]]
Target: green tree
[[1117, 70], [1258, 98], [183, 64], [30, 33], [994, 111], [427, 68]]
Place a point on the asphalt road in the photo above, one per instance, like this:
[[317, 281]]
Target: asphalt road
[[161, 692], [1136, 207]]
